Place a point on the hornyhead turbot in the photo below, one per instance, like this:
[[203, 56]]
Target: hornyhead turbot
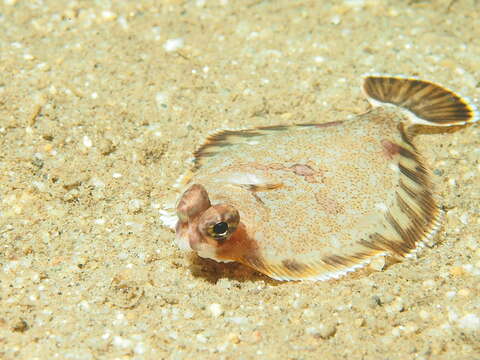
[[316, 201]]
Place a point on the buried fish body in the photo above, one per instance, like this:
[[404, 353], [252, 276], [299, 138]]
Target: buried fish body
[[317, 201]]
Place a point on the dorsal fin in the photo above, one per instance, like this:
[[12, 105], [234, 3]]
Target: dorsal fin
[[223, 138], [428, 103], [220, 139]]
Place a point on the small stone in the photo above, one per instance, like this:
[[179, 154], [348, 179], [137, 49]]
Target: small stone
[[428, 284], [239, 320], [326, 331], [457, 271], [469, 322], [173, 44], [216, 310], [308, 313], [188, 314], [359, 322], [396, 332], [233, 338], [201, 338], [20, 326], [122, 343], [161, 99], [410, 328], [424, 315], [396, 306], [135, 205], [335, 20], [374, 301], [451, 294], [377, 264], [323, 331], [140, 348], [108, 15], [464, 219], [256, 336], [87, 142]]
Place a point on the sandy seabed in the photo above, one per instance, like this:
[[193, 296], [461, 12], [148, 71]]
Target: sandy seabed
[[101, 103]]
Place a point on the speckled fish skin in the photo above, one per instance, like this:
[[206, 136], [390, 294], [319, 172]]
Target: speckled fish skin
[[317, 201]]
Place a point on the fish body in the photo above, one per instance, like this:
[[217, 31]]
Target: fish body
[[319, 200]]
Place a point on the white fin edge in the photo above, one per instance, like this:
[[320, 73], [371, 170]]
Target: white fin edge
[[332, 275]]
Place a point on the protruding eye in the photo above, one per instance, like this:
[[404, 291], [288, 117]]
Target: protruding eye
[[220, 229], [218, 223], [193, 202]]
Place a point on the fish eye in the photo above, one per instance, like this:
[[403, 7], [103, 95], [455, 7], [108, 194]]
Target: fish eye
[[218, 223], [220, 229]]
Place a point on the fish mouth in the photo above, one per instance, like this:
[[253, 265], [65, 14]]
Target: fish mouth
[[183, 243]]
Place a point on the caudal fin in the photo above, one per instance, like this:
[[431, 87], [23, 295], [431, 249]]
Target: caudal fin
[[429, 103]]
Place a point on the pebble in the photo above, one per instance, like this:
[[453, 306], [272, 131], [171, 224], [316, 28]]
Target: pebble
[[87, 142], [451, 294], [469, 322], [428, 284], [457, 271], [216, 310], [173, 44], [424, 315], [188, 314], [161, 100], [395, 306], [323, 331], [377, 264], [374, 301], [464, 292], [233, 338], [239, 320], [140, 348], [122, 343], [256, 336], [20, 326], [201, 338], [108, 15], [135, 205], [464, 219], [359, 322]]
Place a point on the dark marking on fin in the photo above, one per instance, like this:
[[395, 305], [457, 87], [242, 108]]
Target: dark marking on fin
[[417, 177], [336, 260], [391, 149], [407, 153], [293, 265], [322, 125], [261, 187]]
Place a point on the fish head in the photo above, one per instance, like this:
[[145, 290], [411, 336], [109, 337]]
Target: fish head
[[205, 228]]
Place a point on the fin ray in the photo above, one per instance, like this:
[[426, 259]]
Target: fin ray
[[428, 103], [218, 140]]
